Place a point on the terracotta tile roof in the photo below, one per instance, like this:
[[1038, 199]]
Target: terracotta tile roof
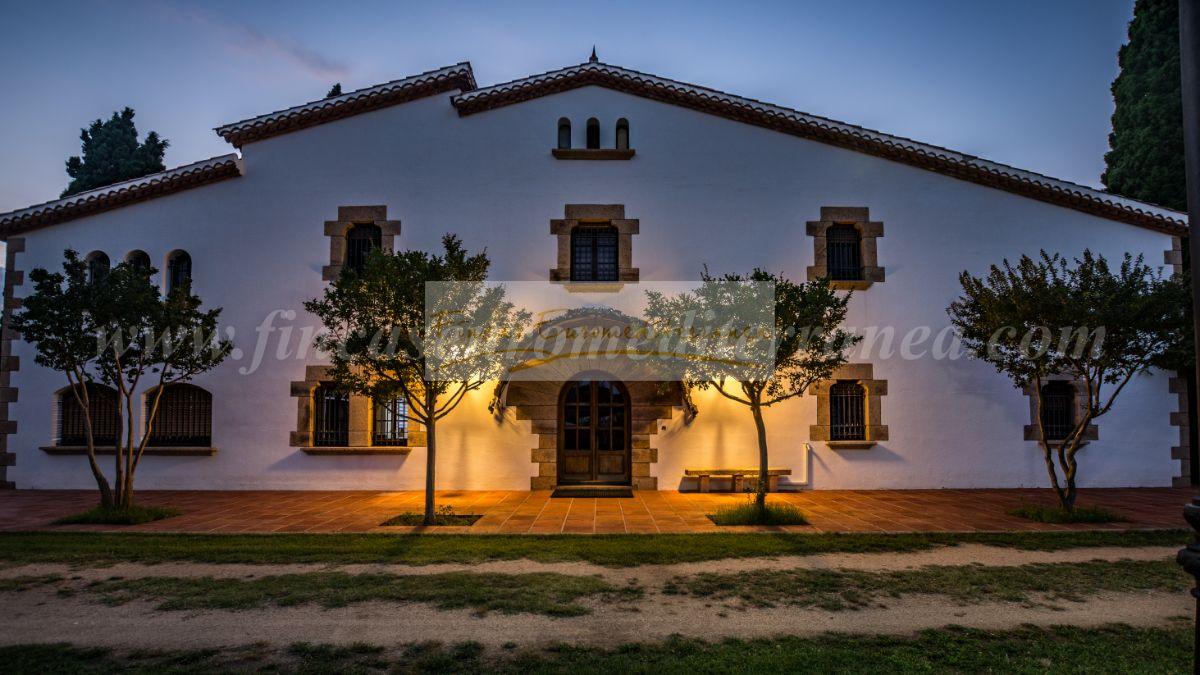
[[451, 78], [750, 111], [120, 194]]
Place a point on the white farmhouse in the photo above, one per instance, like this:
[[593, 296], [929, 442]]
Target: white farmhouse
[[589, 174]]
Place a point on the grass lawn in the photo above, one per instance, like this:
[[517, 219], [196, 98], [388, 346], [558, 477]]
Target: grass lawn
[[545, 593], [1026, 650], [1057, 514], [438, 519], [97, 548], [134, 515], [748, 513], [853, 589]]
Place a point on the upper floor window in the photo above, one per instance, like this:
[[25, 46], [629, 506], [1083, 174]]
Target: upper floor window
[[179, 270], [622, 134], [390, 423], [102, 409], [331, 416], [847, 411], [1058, 409], [184, 417], [843, 247], [138, 259], [593, 134], [361, 239], [594, 253], [564, 133], [97, 267]]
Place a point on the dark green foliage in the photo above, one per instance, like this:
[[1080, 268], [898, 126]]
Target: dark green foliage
[[1047, 317], [619, 550], [1146, 159], [118, 331], [133, 515], [111, 154], [335, 90]]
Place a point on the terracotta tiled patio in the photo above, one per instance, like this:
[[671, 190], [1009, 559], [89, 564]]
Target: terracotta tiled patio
[[538, 513]]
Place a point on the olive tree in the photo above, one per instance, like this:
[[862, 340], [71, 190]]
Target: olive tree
[[751, 357], [118, 330], [1081, 319], [426, 327]]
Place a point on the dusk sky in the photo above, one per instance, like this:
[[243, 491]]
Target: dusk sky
[[1021, 82]]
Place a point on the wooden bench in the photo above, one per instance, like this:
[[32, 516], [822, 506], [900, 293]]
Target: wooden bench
[[738, 476]]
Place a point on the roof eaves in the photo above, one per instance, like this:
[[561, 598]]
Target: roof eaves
[[120, 194], [458, 77]]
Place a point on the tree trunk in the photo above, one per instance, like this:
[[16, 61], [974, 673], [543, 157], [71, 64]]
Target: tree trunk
[[760, 496], [430, 455]]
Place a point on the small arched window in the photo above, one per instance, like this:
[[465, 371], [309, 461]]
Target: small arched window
[[102, 406], [360, 241], [179, 270], [847, 411], [594, 253], [390, 423], [138, 260], [593, 134], [622, 134], [184, 417], [843, 248], [1058, 409], [564, 133], [331, 416], [97, 267]]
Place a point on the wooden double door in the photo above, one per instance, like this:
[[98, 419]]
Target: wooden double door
[[594, 433]]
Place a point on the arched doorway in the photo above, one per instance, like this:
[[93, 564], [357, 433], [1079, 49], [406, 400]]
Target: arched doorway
[[593, 433]]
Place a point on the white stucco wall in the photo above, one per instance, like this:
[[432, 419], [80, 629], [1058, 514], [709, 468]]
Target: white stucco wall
[[706, 191]]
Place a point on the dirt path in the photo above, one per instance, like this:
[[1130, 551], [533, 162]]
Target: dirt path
[[647, 575], [41, 615], [38, 616]]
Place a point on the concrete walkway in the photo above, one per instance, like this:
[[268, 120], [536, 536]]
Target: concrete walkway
[[646, 512]]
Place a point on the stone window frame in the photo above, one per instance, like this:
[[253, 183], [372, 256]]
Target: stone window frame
[[348, 217], [595, 214], [361, 418], [869, 231], [1091, 433], [874, 390]]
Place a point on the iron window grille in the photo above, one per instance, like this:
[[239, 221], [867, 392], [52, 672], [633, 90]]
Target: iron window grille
[[391, 422], [360, 241], [1058, 410], [139, 260], [331, 419], [843, 252], [184, 417], [97, 268], [847, 412], [102, 405], [179, 271], [594, 253]]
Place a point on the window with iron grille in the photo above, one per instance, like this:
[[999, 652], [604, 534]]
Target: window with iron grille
[[184, 417], [138, 259], [594, 253], [1058, 409], [843, 251], [72, 425], [360, 241], [847, 412], [391, 422], [179, 270], [97, 267], [331, 416]]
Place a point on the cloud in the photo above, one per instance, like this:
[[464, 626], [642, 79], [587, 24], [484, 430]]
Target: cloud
[[244, 38]]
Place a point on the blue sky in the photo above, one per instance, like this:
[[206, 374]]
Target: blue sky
[[1021, 82]]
